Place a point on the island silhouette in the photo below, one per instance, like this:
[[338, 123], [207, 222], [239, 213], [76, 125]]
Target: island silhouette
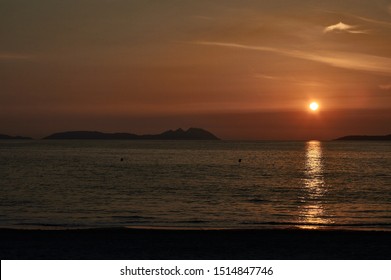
[[179, 134], [8, 137], [365, 138]]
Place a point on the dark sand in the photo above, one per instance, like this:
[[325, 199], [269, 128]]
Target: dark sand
[[193, 244]]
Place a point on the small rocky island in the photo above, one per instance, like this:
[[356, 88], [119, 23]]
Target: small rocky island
[[179, 134], [365, 138]]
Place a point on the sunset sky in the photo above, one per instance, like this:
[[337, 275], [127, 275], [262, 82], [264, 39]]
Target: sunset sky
[[243, 69]]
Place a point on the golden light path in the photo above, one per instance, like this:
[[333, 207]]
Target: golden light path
[[312, 211]]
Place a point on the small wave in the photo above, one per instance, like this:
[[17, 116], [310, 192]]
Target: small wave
[[42, 224], [193, 222], [50, 225], [257, 200], [382, 175], [319, 224], [132, 222], [132, 217]]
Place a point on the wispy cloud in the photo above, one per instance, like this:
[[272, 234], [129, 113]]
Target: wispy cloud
[[374, 21], [14, 56], [202, 17], [366, 19], [355, 61], [385, 87], [267, 77], [289, 80], [342, 27]]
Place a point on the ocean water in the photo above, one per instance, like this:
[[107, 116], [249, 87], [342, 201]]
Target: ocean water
[[195, 184]]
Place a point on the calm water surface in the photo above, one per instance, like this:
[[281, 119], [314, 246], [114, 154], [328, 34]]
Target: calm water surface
[[195, 184]]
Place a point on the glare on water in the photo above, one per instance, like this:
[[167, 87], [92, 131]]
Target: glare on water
[[312, 210]]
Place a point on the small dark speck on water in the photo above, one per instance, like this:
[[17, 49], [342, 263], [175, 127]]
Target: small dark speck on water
[[122, 159], [240, 160]]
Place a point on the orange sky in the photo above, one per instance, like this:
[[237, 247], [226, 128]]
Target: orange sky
[[241, 69]]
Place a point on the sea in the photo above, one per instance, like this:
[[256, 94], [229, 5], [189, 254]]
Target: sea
[[77, 184]]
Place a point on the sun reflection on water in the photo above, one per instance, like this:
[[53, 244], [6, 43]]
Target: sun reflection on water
[[312, 212]]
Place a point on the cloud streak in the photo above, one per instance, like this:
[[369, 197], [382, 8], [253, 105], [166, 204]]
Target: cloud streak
[[366, 19], [267, 77], [342, 27], [354, 61], [385, 87], [14, 56]]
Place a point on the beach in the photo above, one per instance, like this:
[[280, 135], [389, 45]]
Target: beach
[[171, 244]]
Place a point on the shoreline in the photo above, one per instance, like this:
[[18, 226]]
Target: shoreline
[[170, 244], [257, 227]]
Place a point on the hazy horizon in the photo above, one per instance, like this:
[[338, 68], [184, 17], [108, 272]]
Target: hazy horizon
[[244, 70]]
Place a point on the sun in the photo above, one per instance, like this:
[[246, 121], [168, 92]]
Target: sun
[[314, 106]]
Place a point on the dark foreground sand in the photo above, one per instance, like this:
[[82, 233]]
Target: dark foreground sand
[[193, 244]]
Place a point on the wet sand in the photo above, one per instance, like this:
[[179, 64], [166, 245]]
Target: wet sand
[[130, 244]]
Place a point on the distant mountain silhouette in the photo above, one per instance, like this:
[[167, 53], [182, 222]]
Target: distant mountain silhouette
[[90, 135], [179, 134], [365, 138], [8, 137]]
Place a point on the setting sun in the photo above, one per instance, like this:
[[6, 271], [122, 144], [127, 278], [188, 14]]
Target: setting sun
[[314, 106]]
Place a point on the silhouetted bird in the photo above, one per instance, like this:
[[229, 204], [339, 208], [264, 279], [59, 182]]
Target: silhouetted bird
[[122, 159], [240, 160]]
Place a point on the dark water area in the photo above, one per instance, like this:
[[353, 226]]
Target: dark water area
[[195, 184]]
